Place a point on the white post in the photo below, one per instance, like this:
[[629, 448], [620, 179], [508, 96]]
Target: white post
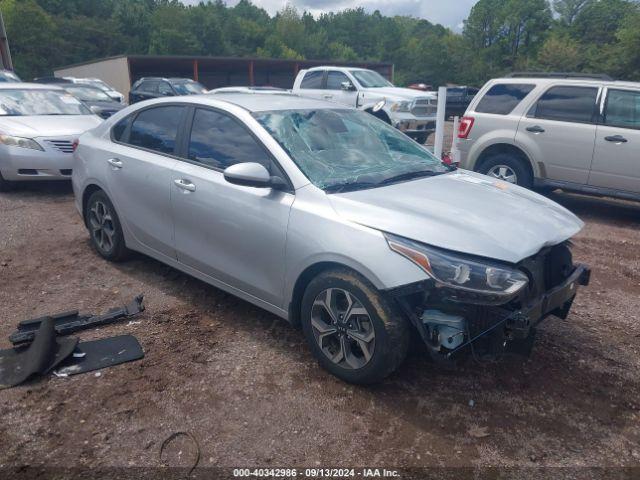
[[442, 105], [454, 140]]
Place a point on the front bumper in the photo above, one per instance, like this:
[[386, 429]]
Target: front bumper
[[486, 324], [408, 123], [557, 301], [25, 164]]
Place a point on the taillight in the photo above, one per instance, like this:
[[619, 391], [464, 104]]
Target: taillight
[[465, 127], [75, 144]]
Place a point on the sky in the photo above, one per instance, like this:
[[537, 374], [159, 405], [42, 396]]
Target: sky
[[449, 13]]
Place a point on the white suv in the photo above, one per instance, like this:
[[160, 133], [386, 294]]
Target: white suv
[[556, 131], [411, 111]]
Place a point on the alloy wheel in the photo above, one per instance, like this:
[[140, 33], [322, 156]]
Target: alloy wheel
[[503, 172], [343, 328], [102, 227]]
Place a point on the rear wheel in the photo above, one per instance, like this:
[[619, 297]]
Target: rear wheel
[[509, 168], [353, 331], [104, 227]]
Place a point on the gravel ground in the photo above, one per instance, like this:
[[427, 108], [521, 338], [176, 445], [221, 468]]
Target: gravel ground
[[243, 383]]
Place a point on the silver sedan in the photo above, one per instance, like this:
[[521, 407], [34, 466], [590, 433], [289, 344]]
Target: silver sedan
[[329, 218], [38, 127]]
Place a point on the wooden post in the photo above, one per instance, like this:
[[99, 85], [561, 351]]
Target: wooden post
[[195, 69], [251, 79]]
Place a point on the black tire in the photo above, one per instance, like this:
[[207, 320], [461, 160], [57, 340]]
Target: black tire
[[518, 165], [115, 249], [421, 138], [5, 185], [391, 329]]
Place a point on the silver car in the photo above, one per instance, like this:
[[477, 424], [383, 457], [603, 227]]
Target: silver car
[[38, 125], [330, 218]]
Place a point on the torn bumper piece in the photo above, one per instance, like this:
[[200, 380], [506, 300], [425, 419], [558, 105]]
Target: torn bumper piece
[[444, 320], [70, 322]]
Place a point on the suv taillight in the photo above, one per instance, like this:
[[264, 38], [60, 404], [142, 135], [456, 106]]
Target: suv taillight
[[465, 127]]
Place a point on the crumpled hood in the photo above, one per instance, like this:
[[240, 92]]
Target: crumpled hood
[[464, 212], [399, 93], [48, 125]]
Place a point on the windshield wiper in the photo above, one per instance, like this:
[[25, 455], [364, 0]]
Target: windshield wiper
[[345, 187], [410, 176]]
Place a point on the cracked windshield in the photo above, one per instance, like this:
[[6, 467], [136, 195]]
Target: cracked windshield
[[340, 150]]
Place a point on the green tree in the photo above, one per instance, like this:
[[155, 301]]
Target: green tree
[[560, 54], [171, 31], [33, 37]]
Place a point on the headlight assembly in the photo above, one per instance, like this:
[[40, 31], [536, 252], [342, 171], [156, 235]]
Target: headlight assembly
[[460, 271], [401, 106], [11, 141]]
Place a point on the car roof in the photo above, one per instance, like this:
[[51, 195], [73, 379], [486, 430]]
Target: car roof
[[567, 81], [28, 86], [333, 67], [256, 102]]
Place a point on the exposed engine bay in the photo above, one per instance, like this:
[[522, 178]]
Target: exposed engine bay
[[454, 323]]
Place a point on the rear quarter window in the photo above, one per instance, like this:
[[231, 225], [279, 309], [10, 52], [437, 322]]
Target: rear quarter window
[[502, 98]]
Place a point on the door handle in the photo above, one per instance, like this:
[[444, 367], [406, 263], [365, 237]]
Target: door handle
[[535, 129], [115, 163], [327, 96], [616, 139], [185, 185]]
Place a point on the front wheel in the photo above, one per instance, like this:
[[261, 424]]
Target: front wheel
[[421, 138], [5, 185], [353, 331]]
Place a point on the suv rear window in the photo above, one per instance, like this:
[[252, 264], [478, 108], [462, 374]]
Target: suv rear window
[[312, 79], [502, 98], [567, 104]]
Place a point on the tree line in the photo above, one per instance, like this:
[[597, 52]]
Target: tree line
[[598, 36]]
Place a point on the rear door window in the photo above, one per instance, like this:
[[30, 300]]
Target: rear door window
[[502, 98], [157, 128], [623, 109], [312, 80], [219, 141], [567, 104]]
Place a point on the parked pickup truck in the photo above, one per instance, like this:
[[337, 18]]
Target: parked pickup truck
[[411, 111]]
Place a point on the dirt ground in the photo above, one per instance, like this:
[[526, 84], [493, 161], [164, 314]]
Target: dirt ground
[[244, 384]]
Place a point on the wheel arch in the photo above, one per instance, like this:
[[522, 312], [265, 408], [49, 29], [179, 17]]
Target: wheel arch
[[89, 190], [381, 114], [303, 280], [505, 148]]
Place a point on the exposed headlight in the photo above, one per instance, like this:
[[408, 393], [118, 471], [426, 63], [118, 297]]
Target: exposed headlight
[[460, 271], [11, 141], [401, 106]]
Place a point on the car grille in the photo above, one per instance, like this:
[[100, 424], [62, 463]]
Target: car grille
[[423, 107], [548, 268], [65, 146]]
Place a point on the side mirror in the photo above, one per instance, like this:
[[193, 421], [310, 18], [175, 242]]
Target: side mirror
[[348, 86], [251, 174]]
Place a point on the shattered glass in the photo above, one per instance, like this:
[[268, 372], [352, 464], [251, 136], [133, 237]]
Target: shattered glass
[[339, 148]]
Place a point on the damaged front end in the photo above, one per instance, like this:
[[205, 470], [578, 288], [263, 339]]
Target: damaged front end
[[482, 307]]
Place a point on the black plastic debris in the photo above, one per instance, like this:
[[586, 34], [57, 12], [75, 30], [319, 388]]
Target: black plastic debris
[[45, 352], [98, 354], [69, 322]]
